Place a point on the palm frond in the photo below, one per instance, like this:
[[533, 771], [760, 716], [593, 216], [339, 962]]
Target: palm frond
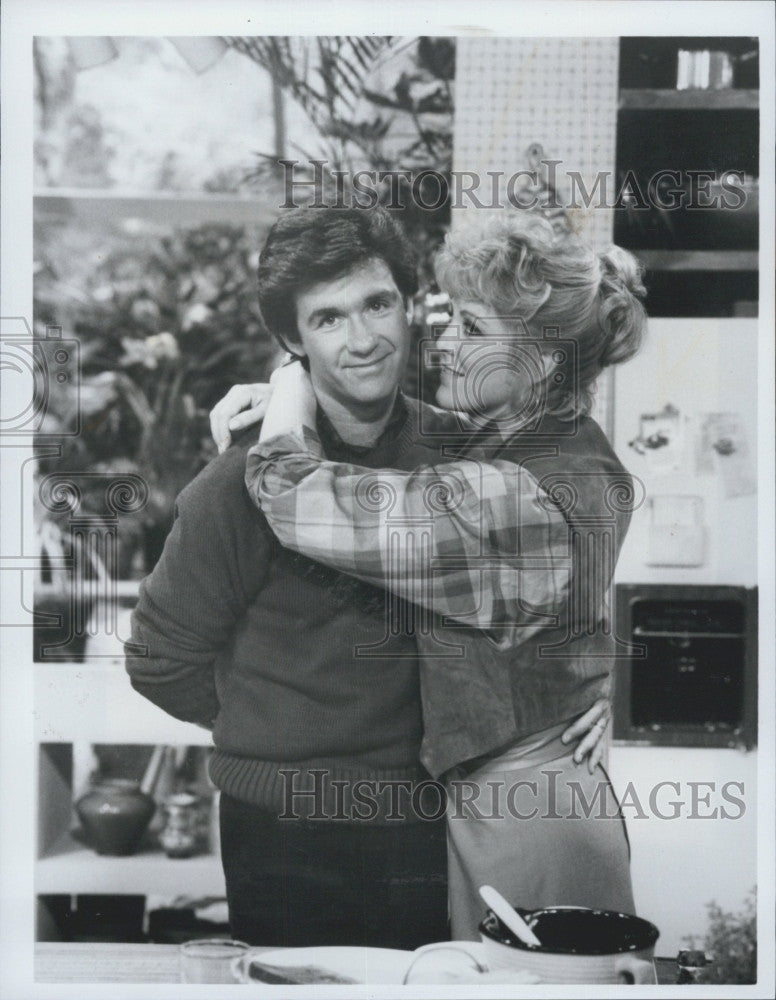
[[344, 63]]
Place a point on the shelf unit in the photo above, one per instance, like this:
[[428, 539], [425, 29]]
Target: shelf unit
[[658, 98], [94, 702], [79, 705], [700, 261], [97, 206], [71, 866]]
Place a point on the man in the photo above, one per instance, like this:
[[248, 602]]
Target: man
[[259, 643], [317, 742]]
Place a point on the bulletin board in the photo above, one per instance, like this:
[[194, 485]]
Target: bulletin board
[[513, 94], [559, 92]]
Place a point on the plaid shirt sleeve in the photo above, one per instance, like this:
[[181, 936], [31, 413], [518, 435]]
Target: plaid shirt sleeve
[[476, 542]]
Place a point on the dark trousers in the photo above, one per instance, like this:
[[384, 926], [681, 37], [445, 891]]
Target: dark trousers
[[325, 882]]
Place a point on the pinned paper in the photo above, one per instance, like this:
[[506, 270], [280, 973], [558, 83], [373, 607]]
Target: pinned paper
[[723, 449], [661, 440], [677, 532]]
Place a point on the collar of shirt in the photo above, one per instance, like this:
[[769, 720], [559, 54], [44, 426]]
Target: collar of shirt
[[382, 453]]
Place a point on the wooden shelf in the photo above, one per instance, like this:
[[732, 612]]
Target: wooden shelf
[[168, 208], [696, 100], [70, 867], [698, 260]]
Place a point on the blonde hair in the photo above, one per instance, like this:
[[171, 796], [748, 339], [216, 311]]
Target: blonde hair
[[517, 265]]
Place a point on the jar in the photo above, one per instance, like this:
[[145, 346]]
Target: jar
[[181, 834], [693, 966], [115, 814]]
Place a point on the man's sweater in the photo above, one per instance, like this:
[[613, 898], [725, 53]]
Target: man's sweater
[[272, 650]]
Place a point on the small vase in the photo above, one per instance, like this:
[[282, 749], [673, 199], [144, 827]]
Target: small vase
[[180, 836], [115, 814]]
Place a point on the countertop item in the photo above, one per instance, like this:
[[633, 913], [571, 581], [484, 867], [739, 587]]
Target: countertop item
[[330, 965], [62, 962]]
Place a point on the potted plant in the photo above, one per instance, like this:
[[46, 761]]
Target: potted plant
[[729, 948], [165, 329]]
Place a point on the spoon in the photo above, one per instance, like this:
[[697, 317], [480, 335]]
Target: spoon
[[509, 916]]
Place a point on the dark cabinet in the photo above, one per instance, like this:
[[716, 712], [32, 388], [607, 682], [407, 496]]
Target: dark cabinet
[[691, 676]]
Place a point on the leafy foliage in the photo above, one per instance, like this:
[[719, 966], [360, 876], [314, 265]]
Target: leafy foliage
[[731, 943], [163, 335], [324, 75], [406, 125]]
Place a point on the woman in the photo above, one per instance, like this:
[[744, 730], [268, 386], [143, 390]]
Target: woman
[[535, 320]]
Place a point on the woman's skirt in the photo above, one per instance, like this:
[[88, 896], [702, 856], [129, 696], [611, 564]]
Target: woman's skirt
[[540, 829]]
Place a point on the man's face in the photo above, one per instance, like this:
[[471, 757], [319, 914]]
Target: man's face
[[355, 334]]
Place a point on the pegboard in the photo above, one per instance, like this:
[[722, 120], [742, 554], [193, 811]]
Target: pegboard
[[559, 92]]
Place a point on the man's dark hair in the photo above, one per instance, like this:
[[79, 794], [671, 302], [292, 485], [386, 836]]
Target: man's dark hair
[[310, 245]]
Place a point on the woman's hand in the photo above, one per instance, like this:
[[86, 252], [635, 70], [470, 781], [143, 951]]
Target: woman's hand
[[242, 406], [589, 729]]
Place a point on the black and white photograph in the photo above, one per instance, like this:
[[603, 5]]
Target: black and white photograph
[[387, 453]]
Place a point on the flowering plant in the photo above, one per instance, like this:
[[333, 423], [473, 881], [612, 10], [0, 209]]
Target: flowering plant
[[164, 331]]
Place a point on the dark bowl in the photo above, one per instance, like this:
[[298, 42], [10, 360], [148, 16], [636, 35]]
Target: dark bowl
[[575, 930]]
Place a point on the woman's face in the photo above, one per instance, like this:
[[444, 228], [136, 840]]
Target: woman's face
[[490, 364]]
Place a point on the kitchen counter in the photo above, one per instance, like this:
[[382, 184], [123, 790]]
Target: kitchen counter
[[90, 962]]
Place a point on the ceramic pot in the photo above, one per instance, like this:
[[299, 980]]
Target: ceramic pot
[[115, 814], [579, 945]]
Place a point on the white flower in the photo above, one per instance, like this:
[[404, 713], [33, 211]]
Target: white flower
[[137, 352], [195, 314], [97, 393], [150, 351], [163, 345]]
